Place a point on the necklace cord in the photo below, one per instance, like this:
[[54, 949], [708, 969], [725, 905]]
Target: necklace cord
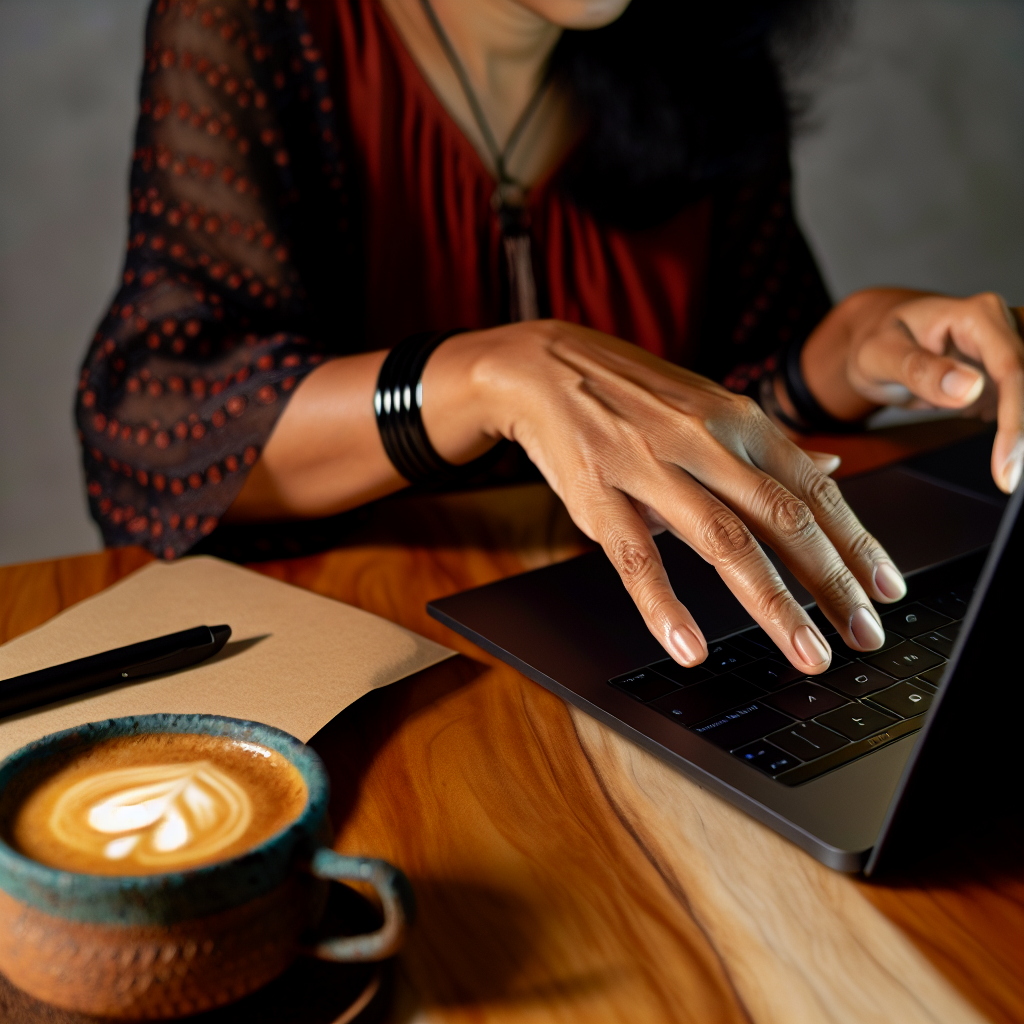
[[499, 156], [507, 200]]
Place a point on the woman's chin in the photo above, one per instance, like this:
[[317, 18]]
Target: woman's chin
[[577, 14]]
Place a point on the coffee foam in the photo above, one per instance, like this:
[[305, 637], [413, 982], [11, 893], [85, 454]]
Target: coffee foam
[[155, 803]]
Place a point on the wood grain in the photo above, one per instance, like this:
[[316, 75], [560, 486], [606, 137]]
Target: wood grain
[[801, 942], [33, 592], [564, 874]]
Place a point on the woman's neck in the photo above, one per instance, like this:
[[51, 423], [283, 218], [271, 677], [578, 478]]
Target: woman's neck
[[504, 48]]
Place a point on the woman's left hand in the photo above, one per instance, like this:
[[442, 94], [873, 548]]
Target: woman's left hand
[[886, 346]]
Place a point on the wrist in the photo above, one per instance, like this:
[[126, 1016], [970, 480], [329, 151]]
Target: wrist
[[457, 415]]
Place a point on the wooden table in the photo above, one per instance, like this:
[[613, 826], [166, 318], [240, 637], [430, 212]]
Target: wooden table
[[564, 874]]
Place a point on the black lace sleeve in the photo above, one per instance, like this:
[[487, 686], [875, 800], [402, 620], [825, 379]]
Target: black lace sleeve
[[764, 291], [233, 288]]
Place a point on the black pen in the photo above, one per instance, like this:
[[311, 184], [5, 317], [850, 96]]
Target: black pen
[[136, 661]]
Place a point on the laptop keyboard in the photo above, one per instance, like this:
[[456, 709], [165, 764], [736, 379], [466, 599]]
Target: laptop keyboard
[[747, 699]]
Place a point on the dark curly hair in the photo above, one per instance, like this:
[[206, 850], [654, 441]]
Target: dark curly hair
[[680, 94]]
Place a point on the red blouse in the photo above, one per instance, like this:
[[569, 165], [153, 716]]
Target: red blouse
[[298, 192], [433, 241]]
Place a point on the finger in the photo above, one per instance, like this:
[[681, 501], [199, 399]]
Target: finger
[[627, 542], [1008, 449], [893, 357], [983, 328], [860, 552], [786, 523], [721, 538]]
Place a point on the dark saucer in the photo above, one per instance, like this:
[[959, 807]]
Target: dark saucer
[[309, 992]]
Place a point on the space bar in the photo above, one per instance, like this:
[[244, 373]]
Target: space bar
[[803, 772]]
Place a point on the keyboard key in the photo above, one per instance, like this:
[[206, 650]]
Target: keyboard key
[[936, 642], [738, 727], [933, 675], [855, 679], [758, 636], [844, 653], [806, 700], [767, 757], [770, 674], [702, 701], [745, 643], [678, 674], [724, 658], [854, 721], [904, 699], [913, 619], [643, 685], [952, 629], [946, 603], [904, 660], [807, 740], [930, 687]]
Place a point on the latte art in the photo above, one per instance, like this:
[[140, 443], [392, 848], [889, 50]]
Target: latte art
[[156, 815], [152, 803]]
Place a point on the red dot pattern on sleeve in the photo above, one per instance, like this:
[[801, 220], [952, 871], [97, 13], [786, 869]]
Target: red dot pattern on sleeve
[[214, 325]]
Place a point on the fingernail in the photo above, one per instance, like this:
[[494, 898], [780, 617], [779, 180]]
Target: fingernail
[[888, 582], [866, 629], [963, 385], [1012, 467], [825, 462], [685, 645], [811, 646]]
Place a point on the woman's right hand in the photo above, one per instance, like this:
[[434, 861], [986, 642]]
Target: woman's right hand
[[632, 444]]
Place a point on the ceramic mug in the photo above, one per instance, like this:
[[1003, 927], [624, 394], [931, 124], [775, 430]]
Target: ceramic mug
[[173, 944]]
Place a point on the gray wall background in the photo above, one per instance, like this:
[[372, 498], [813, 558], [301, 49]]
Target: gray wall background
[[912, 173]]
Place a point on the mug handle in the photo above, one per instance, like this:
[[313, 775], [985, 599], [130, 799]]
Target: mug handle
[[396, 897]]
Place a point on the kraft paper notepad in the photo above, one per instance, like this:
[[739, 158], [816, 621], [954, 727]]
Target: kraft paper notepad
[[294, 661]]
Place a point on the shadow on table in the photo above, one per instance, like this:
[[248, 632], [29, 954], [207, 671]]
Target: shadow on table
[[496, 936], [350, 742], [497, 518]]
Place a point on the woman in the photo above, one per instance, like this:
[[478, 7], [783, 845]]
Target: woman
[[316, 184]]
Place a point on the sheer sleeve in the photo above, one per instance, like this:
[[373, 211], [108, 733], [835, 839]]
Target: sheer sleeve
[[765, 291], [235, 283]]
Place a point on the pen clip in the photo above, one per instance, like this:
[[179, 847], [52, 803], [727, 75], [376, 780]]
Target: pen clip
[[182, 657]]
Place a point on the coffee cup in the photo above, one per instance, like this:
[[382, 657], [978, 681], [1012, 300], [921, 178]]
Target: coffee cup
[[158, 866]]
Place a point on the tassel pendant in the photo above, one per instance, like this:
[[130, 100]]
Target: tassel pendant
[[509, 201], [522, 289]]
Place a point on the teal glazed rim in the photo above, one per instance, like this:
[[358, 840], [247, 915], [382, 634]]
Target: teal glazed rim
[[163, 899]]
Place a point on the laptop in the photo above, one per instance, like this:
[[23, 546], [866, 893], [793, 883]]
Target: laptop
[[883, 758]]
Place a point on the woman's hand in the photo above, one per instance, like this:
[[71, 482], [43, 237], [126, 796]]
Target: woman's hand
[[896, 347], [630, 443]]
